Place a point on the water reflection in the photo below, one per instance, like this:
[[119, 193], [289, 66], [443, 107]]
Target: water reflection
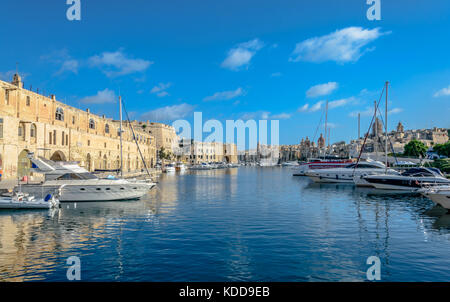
[[248, 224]]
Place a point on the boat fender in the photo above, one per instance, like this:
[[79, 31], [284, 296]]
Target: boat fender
[[48, 197]]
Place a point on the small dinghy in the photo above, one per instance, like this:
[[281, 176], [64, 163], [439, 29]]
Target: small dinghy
[[21, 200]]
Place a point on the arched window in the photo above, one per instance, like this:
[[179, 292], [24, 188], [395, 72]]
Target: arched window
[[59, 114], [91, 124], [21, 131], [106, 128], [33, 132]]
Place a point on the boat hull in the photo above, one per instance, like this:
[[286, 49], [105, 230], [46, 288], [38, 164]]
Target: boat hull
[[24, 205], [412, 185], [441, 198], [98, 192]]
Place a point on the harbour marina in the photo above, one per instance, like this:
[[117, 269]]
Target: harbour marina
[[244, 224]]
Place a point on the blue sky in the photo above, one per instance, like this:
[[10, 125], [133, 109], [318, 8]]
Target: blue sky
[[237, 59]]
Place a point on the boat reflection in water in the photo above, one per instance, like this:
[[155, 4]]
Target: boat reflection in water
[[245, 224]]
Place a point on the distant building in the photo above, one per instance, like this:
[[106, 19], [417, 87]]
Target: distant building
[[193, 152]]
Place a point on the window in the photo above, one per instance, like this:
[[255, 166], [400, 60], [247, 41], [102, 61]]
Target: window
[[106, 128], [1, 128], [7, 96], [59, 114], [89, 142], [73, 120], [33, 131], [54, 137], [28, 101], [62, 138], [50, 138], [21, 131], [91, 124]]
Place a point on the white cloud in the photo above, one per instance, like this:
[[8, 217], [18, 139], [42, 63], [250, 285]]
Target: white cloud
[[395, 110], [281, 116], [225, 95], [304, 108], [316, 107], [342, 46], [69, 65], [330, 125], [331, 105], [264, 115], [117, 63], [341, 102], [369, 111], [321, 89], [64, 59], [168, 113], [443, 92], [102, 97], [242, 54], [160, 89]]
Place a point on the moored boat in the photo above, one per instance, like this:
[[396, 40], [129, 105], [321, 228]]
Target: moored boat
[[412, 180], [439, 195], [78, 184], [21, 201], [316, 164], [349, 173]]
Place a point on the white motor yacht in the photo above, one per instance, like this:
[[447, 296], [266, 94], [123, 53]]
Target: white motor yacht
[[349, 173], [79, 184], [411, 180], [439, 195], [169, 168]]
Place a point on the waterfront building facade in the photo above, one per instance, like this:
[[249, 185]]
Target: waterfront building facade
[[194, 153], [31, 122], [165, 135]]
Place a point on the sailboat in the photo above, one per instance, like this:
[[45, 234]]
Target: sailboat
[[326, 162]]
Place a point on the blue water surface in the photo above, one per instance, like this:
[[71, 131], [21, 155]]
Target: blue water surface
[[241, 224]]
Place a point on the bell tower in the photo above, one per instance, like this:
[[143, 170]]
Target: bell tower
[[17, 80]]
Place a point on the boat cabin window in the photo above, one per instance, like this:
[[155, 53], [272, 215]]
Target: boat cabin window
[[363, 166], [417, 172], [76, 176]]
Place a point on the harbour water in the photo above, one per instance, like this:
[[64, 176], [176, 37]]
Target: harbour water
[[241, 224]]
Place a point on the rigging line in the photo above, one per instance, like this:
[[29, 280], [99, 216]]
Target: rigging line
[[318, 126], [390, 142], [134, 136], [368, 131]]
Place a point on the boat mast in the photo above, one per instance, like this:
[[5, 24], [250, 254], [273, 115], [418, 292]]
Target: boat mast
[[386, 127], [120, 135], [326, 120], [375, 131]]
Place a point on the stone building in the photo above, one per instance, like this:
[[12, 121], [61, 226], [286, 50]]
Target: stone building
[[30, 122], [165, 135], [321, 141], [193, 152]]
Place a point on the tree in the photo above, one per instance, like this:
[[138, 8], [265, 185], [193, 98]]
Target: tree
[[442, 149], [164, 154], [415, 148]]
